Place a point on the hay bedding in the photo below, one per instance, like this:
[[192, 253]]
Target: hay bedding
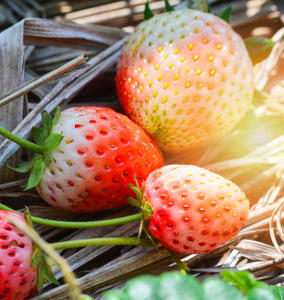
[[50, 57]]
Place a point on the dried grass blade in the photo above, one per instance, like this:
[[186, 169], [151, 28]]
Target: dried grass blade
[[11, 184], [20, 194], [262, 155], [278, 222], [272, 232], [261, 177], [67, 34], [256, 250], [33, 84]]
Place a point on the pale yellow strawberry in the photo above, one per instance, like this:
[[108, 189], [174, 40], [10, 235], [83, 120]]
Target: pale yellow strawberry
[[186, 78]]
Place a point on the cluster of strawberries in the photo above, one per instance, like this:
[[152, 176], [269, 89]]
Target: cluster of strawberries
[[184, 79]]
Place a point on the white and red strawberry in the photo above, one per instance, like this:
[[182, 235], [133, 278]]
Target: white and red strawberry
[[18, 278], [186, 77], [101, 153], [195, 210]]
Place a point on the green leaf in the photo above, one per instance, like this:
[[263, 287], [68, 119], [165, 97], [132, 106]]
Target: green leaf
[[46, 123], [209, 7], [28, 218], [258, 48], [174, 285], [168, 286], [49, 145], [35, 262], [148, 14], [36, 258], [47, 271], [177, 286], [40, 280], [36, 174], [56, 116], [115, 295], [86, 297], [258, 293], [44, 271], [168, 6], [226, 14], [218, 289], [38, 135], [132, 201], [52, 142], [46, 158], [277, 291], [143, 288], [245, 281], [23, 167], [137, 192], [201, 5]]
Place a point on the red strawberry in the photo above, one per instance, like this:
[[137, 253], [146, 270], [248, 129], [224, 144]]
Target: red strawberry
[[195, 211], [186, 78], [100, 154], [17, 276]]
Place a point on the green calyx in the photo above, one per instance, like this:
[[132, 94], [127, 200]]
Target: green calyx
[[201, 5], [259, 48], [148, 14], [40, 261], [226, 14], [146, 209], [168, 7], [43, 136], [140, 202], [45, 143]]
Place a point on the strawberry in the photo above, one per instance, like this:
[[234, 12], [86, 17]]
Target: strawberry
[[186, 77], [101, 153], [195, 211], [18, 278]]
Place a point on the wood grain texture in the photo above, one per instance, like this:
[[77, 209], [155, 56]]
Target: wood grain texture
[[12, 69]]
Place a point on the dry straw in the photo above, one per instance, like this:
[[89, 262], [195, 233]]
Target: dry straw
[[254, 159]]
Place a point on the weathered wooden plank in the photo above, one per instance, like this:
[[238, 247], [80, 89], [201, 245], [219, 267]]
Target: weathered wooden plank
[[12, 68]]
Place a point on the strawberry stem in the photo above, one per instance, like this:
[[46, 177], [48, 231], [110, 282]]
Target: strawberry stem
[[101, 241], [80, 225], [23, 143], [90, 224], [182, 266]]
